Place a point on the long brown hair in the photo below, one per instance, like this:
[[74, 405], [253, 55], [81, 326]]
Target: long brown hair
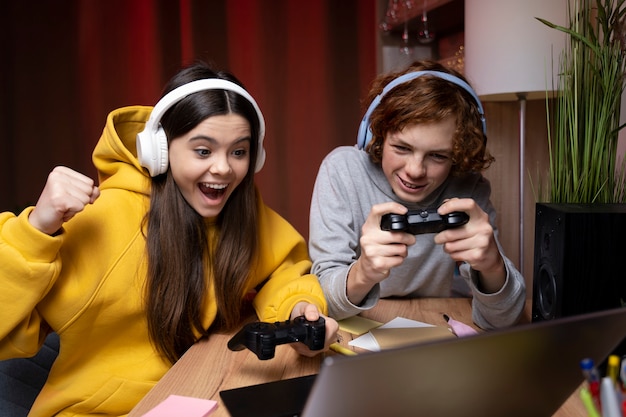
[[427, 99], [182, 261]]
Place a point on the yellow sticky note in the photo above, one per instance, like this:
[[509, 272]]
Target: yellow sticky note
[[390, 338], [358, 325]]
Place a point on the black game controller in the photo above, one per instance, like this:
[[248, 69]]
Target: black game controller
[[262, 338], [422, 221]]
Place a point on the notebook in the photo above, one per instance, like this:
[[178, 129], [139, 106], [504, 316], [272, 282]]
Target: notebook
[[527, 370]]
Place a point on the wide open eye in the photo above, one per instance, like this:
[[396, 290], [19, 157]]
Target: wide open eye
[[202, 152]]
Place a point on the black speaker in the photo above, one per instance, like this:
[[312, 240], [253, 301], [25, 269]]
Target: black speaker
[[578, 264]]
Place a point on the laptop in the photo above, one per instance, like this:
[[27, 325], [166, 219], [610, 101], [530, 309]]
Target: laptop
[[527, 370]]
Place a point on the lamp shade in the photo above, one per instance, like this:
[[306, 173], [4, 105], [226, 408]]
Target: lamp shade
[[508, 51]]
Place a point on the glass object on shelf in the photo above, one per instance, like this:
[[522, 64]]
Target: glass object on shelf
[[391, 16], [424, 33], [405, 49]]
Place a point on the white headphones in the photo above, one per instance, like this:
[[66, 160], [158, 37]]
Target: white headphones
[[365, 134], [152, 141]]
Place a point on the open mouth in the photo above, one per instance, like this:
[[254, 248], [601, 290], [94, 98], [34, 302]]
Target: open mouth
[[410, 185], [213, 191]]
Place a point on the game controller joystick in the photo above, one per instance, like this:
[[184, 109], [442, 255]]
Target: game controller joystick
[[422, 221], [262, 338]]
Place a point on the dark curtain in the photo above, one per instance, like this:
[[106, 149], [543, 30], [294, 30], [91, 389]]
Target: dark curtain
[[65, 64]]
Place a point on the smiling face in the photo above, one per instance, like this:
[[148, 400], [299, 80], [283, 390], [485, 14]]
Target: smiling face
[[417, 159], [210, 161]]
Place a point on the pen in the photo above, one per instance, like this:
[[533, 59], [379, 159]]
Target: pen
[[336, 347]]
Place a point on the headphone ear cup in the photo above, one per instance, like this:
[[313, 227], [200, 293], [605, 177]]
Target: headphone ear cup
[[152, 151], [260, 159], [162, 160], [364, 135]]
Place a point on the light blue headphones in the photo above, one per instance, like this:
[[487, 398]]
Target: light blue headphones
[[365, 134]]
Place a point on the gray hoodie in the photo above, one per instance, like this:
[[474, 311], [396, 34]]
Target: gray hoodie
[[347, 186]]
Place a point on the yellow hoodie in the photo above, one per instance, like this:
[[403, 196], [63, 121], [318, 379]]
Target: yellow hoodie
[[87, 284]]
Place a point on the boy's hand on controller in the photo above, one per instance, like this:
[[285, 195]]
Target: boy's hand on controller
[[473, 243], [381, 250]]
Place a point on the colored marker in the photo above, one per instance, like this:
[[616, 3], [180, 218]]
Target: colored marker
[[458, 328], [588, 401], [622, 385], [610, 403], [612, 369], [592, 376], [622, 373]]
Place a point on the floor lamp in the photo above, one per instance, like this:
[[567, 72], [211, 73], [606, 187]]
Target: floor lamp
[[510, 55]]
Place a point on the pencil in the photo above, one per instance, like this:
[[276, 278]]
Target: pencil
[[336, 347]]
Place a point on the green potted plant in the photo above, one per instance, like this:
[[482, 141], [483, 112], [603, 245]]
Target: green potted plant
[[585, 114], [581, 223]]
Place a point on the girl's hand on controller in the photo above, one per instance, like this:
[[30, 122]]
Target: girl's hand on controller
[[312, 313]]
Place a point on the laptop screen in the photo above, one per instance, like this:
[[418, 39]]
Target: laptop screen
[[527, 370]]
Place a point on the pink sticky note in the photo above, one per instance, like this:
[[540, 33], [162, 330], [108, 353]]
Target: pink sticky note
[[177, 405]]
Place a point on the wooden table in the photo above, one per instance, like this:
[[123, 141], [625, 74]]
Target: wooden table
[[209, 367]]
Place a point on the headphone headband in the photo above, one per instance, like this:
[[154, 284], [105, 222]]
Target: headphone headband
[[365, 134], [152, 141]]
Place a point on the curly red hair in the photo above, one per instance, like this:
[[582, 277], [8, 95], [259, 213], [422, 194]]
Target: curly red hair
[[428, 99]]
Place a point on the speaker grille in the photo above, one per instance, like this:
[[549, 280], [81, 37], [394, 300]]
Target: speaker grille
[[578, 251]]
